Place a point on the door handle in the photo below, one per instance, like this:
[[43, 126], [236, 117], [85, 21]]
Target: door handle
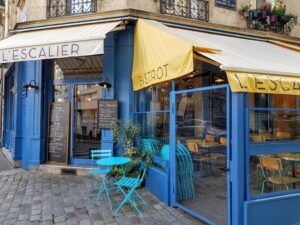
[[224, 169]]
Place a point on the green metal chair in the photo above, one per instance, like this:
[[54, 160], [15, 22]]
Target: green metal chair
[[95, 155], [131, 184]]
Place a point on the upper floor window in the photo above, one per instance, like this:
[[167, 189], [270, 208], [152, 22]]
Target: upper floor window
[[194, 9], [57, 8]]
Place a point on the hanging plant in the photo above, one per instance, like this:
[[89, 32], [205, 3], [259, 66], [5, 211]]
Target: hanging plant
[[244, 11], [292, 22]]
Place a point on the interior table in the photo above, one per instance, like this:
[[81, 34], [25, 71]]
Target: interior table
[[293, 158], [110, 162]]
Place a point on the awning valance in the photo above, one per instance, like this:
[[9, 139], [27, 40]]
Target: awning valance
[[246, 60], [55, 43]]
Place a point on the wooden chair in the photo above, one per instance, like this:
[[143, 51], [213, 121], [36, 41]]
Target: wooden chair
[[192, 147], [257, 138], [273, 173], [210, 138], [223, 141], [283, 135]]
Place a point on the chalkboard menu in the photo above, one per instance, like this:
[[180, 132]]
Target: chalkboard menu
[[226, 3], [58, 133], [108, 113]]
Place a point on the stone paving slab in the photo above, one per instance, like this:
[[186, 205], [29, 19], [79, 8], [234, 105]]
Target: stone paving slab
[[28, 198]]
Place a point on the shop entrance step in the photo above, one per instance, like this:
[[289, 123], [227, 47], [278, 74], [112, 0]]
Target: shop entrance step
[[79, 170]]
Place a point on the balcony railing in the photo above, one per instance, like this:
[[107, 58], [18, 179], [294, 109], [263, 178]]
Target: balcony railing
[[58, 8], [193, 9]]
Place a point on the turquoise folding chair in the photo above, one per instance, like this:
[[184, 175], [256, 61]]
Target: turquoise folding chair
[[95, 155], [131, 184]]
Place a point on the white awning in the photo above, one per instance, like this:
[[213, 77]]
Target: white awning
[[253, 66], [244, 55], [65, 42]]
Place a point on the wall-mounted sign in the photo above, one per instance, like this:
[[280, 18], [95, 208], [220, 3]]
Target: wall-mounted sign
[[58, 133], [263, 83], [108, 113], [226, 3]]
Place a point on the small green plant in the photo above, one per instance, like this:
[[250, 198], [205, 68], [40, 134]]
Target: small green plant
[[125, 134], [244, 11], [290, 25], [137, 156]]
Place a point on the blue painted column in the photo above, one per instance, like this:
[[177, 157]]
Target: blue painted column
[[239, 101], [118, 57], [109, 74], [31, 113]]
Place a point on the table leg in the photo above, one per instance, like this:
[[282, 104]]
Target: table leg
[[105, 188], [294, 173]]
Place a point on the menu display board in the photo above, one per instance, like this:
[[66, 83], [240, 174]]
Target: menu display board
[[226, 3], [108, 113], [58, 133]]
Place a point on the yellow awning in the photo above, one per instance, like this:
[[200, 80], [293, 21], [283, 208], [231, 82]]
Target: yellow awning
[[263, 83], [162, 53]]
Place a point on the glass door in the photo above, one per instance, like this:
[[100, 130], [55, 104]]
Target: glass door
[[201, 174], [87, 134]]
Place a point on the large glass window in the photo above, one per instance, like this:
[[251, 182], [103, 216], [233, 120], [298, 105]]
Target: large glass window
[[152, 112], [75, 67], [274, 122]]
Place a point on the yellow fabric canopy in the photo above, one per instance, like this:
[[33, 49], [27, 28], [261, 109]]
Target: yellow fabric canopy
[[263, 83], [162, 53]]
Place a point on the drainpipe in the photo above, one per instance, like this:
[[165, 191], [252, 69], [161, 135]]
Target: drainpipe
[[6, 19], [1, 104]]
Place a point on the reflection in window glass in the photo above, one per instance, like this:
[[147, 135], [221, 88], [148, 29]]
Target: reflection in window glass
[[87, 134], [60, 93], [270, 125], [274, 101], [155, 98], [154, 129], [201, 153], [274, 173], [77, 68], [204, 75]]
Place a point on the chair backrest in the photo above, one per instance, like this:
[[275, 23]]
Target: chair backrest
[[192, 147], [151, 145], [142, 173], [223, 140], [283, 135], [270, 164], [101, 153], [210, 138], [257, 138]]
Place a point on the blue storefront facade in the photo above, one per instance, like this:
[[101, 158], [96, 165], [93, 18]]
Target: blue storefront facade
[[210, 138]]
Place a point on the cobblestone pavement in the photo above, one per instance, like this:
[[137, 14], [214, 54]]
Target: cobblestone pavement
[[38, 198], [4, 164]]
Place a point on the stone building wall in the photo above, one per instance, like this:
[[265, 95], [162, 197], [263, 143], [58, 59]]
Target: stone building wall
[[37, 10]]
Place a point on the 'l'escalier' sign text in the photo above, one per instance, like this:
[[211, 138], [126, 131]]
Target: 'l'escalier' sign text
[[263, 83], [40, 52]]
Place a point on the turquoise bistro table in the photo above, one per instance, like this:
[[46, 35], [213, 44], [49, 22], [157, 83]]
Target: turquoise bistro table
[[110, 162]]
